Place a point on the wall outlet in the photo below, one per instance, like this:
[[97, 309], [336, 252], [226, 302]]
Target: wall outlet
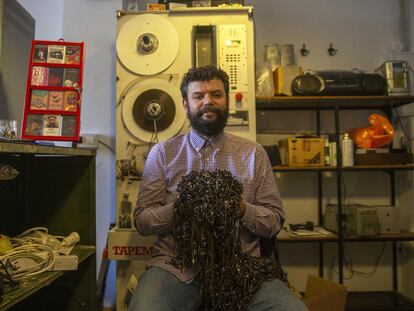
[[90, 140]]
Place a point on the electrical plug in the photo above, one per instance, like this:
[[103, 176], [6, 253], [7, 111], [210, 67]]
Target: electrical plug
[[71, 240]]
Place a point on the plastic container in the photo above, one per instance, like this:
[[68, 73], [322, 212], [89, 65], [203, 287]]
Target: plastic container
[[347, 151]]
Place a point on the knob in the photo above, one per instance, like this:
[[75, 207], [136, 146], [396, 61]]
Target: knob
[[238, 96]]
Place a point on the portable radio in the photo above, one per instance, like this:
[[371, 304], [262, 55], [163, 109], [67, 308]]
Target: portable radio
[[396, 73]]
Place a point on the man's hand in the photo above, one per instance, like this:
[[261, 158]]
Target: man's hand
[[242, 208]]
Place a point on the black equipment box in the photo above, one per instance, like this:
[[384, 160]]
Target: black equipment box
[[395, 157]]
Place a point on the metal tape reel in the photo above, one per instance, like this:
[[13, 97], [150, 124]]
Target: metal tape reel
[[153, 98], [147, 44]]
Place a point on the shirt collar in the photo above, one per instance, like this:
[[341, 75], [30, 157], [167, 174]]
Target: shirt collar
[[198, 141]]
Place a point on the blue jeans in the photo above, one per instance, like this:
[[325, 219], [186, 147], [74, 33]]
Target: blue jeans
[[159, 290]]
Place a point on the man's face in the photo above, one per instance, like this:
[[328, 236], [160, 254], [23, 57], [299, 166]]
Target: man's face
[[207, 106]]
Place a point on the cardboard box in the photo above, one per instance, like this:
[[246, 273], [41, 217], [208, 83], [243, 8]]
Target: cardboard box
[[324, 295], [302, 151], [129, 244]]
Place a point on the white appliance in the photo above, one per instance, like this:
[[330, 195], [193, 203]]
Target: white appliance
[[154, 50]]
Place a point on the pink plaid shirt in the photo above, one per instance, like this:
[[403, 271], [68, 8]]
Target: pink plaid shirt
[[169, 160]]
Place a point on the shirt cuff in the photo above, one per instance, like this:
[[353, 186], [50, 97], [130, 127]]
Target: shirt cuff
[[249, 215]]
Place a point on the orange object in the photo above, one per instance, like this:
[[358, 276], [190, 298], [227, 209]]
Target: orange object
[[379, 134]]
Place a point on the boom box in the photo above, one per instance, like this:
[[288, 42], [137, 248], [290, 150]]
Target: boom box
[[346, 83]]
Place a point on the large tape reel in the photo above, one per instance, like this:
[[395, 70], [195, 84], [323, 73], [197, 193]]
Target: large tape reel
[[153, 99], [147, 44]]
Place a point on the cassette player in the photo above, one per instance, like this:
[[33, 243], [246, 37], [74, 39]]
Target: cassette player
[[339, 82]]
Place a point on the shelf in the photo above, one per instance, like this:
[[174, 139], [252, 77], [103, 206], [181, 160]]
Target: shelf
[[378, 301], [365, 301], [394, 167], [330, 102], [28, 147], [29, 287], [284, 237], [54, 185]]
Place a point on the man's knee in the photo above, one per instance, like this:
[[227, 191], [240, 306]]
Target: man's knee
[[275, 295], [159, 290]]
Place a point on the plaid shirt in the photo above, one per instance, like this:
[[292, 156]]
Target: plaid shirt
[[169, 160]]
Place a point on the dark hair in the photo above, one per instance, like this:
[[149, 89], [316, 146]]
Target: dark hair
[[204, 73]]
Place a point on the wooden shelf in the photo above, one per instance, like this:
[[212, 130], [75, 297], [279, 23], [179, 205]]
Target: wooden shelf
[[54, 185], [30, 286], [285, 237], [330, 102], [28, 147], [365, 301], [395, 167], [378, 301]]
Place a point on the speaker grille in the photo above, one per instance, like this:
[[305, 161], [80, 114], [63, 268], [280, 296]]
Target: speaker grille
[[307, 85]]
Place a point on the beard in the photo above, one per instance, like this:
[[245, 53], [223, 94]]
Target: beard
[[208, 127]]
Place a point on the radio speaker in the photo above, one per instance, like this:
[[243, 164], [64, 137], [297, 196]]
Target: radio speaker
[[373, 84], [308, 84]]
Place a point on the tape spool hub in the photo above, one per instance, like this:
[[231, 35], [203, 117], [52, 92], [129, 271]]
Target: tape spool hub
[[154, 105], [147, 43]]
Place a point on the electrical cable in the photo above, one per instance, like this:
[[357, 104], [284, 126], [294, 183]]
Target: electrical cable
[[266, 124], [350, 268], [33, 253], [154, 137], [26, 232], [107, 146], [42, 256], [347, 257]]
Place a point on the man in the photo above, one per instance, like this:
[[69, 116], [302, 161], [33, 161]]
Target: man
[[205, 92]]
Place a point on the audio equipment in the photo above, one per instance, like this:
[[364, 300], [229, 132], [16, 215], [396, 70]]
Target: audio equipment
[[397, 74], [364, 220], [304, 226], [345, 83], [388, 219]]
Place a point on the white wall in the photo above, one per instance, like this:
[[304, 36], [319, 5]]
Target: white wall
[[362, 31], [50, 27]]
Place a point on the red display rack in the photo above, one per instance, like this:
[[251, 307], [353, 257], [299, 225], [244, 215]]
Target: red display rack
[[53, 91]]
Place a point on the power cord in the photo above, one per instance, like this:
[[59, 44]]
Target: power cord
[[350, 267], [27, 260], [34, 252]]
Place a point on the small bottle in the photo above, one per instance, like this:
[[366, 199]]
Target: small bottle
[[326, 152], [125, 212], [347, 151], [332, 150]]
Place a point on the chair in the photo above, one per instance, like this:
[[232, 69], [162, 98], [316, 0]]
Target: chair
[[269, 247]]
